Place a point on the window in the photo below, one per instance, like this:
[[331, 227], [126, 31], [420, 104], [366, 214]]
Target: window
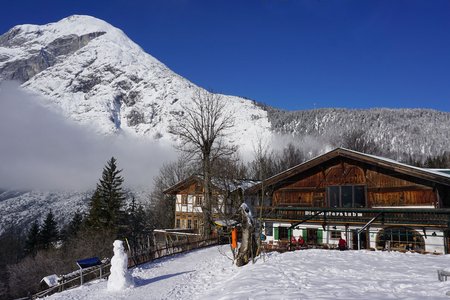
[[359, 196], [283, 233], [334, 234], [195, 224], [189, 223], [348, 196], [268, 229], [400, 238], [184, 199], [198, 200], [178, 223]]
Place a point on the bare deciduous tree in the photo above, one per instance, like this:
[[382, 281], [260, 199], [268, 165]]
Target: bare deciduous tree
[[359, 140], [261, 166], [289, 157], [163, 206], [201, 129]]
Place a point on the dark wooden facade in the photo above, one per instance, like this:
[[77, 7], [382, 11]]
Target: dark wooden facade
[[384, 183], [380, 189]]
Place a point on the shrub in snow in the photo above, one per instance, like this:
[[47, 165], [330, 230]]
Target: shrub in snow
[[120, 278]]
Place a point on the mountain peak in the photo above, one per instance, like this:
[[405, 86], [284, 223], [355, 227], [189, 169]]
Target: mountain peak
[[82, 24], [75, 24]]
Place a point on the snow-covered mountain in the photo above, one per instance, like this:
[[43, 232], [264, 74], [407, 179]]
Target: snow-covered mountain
[[93, 74]]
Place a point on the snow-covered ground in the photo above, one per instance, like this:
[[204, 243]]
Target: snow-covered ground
[[305, 274]]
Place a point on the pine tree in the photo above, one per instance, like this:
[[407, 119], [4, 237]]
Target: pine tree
[[96, 218], [32, 241], [74, 226], [135, 223], [106, 208], [49, 231]]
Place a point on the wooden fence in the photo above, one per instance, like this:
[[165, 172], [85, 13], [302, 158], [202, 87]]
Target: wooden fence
[[140, 257]]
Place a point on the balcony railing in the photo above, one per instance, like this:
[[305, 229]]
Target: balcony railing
[[389, 216]]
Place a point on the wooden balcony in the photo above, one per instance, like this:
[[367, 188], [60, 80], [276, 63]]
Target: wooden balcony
[[386, 216]]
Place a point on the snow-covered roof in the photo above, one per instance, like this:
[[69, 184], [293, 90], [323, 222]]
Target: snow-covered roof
[[394, 162], [445, 171], [234, 184], [225, 222], [50, 280], [220, 183]]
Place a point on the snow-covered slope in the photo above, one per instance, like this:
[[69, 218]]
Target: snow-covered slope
[[20, 208], [94, 74], [306, 274], [397, 132]]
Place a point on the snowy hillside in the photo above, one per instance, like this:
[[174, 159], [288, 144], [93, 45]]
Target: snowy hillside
[[306, 274], [419, 132], [20, 208], [94, 74]]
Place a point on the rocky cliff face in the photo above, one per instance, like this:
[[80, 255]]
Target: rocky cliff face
[[24, 69]]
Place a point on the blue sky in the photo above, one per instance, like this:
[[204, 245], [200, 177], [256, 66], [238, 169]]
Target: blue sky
[[288, 54]]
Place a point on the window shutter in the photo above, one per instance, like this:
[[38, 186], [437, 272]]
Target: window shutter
[[319, 236], [275, 233]]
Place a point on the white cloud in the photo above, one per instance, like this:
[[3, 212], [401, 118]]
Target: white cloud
[[310, 146], [40, 149]]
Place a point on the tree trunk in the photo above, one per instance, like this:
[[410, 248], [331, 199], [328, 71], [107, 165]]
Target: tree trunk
[[247, 250], [207, 213]]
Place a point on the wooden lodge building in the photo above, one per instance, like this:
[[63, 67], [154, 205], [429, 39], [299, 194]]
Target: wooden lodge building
[[227, 195], [370, 201]]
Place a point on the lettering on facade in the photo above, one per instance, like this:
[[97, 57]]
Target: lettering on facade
[[335, 213]]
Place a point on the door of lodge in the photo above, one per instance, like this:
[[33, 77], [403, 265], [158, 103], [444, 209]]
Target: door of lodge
[[362, 237], [311, 236]]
